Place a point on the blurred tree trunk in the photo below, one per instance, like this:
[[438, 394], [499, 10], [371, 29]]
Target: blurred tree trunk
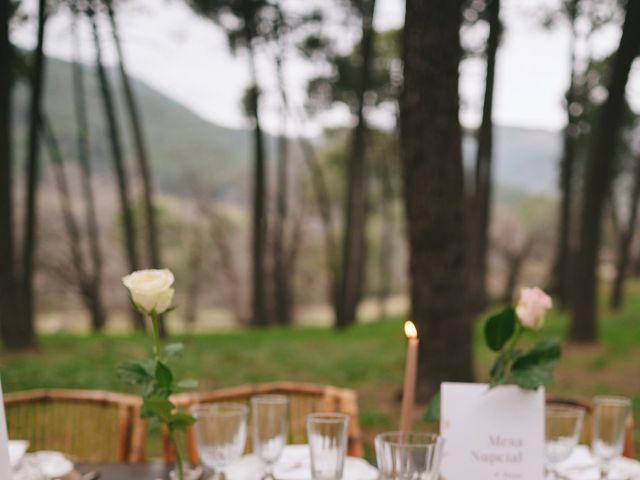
[[94, 274], [195, 265], [12, 328], [259, 315], [354, 237], [281, 268], [434, 195], [385, 260], [142, 157], [323, 203], [483, 176], [515, 260], [32, 175], [84, 284], [561, 274], [598, 176], [625, 239], [128, 227]]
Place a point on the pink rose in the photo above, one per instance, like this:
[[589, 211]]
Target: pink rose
[[532, 307]]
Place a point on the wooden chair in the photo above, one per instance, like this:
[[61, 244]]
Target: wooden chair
[[90, 425], [629, 445], [304, 398]]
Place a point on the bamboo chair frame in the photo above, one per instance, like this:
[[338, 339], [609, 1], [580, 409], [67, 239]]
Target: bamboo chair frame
[[304, 398], [76, 421], [629, 445]]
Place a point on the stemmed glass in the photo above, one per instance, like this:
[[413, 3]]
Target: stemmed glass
[[610, 415], [563, 425], [270, 415], [221, 434]]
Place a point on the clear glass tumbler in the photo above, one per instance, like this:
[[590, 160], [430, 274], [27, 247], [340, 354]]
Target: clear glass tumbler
[[610, 416], [270, 419], [408, 456], [563, 425], [221, 434], [327, 438]]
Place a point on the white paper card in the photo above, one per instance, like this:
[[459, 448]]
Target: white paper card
[[492, 434], [5, 464]]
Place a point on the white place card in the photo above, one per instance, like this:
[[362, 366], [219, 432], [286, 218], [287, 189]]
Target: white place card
[[5, 463], [492, 433]]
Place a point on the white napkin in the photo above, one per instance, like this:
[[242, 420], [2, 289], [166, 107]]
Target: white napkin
[[43, 465], [294, 464], [17, 449], [581, 465]]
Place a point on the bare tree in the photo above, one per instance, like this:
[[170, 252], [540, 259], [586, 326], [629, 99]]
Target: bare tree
[[433, 185], [135, 120], [12, 327], [598, 177], [128, 226], [354, 240], [561, 278], [93, 276], [625, 239], [83, 283], [31, 177], [483, 175]]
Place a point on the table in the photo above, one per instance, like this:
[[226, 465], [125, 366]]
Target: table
[[141, 471]]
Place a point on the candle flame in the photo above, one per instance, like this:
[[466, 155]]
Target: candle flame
[[410, 329]]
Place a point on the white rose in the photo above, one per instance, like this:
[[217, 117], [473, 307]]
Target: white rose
[[151, 289], [532, 307]]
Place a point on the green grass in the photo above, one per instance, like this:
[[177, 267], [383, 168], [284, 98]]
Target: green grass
[[368, 358]]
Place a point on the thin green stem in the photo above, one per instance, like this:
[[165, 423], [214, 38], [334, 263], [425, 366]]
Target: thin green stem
[[157, 346], [179, 455]]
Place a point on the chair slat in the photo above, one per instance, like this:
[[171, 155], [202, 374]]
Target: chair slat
[[88, 425]]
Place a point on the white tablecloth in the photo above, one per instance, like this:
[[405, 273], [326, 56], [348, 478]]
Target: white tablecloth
[[294, 465], [581, 465]]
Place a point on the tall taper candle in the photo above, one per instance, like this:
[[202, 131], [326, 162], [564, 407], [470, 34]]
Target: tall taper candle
[[410, 377]]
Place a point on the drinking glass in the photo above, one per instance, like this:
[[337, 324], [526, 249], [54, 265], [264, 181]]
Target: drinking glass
[[610, 415], [269, 414], [408, 456], [327, 438], [221, 434], [562, 428]]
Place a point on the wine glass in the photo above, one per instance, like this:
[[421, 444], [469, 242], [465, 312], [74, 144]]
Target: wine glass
[[221, 434], [408, 455], [563, 425], [610, 415], [270, 415]]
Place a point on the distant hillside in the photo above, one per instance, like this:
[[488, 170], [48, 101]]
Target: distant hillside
[[526, 160], [181, 143], [184, 146]]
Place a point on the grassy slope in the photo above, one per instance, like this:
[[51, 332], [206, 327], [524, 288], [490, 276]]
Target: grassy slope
[[368, 358]]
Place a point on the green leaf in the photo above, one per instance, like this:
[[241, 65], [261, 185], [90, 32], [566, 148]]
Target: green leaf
[[432, 415], [535, 367], [188, 384], [173, 349], [532, 376], [134, 373], [545, 351], [164, 377], [499, 328], [160, 407], [181, 420]]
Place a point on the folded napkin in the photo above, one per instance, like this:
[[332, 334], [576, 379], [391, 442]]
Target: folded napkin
[[17, 449], [581, 465], [43, 466], [295, 464]]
